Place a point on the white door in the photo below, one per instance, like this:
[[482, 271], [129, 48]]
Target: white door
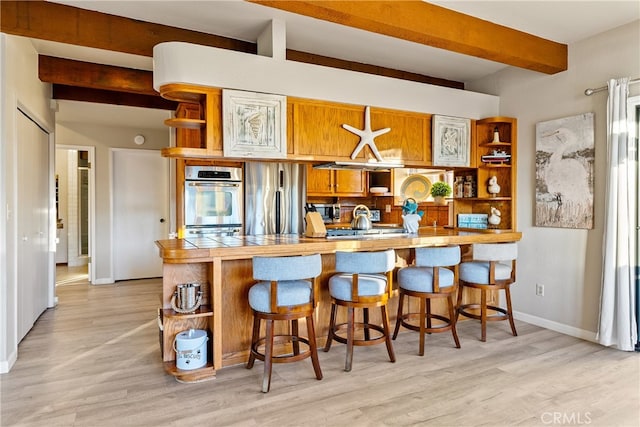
[[140, 212], [33, 222]]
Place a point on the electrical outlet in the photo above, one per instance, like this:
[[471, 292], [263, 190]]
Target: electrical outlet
[[387, 208], [539, 290]]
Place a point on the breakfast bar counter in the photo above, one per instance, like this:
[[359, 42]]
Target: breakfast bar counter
[[222, 265]]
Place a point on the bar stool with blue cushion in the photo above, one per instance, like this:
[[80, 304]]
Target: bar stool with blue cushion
[[434, 276], [364, 281], [493, 268], [286, 290]]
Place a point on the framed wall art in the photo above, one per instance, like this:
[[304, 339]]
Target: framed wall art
[[565, 156], [254, 124], [451, 141]]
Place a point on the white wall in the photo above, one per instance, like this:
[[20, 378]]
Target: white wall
[[567, 262], [177, 62], [19, 86], [104, 138]]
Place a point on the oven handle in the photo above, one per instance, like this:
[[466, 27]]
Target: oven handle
[[212, 184]]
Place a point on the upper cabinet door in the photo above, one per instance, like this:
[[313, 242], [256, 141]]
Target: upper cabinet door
[[350, 182], [319, 181], [326, 182]]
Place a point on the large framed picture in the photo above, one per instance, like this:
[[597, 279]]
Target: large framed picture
[[254, 124], [451, 141], [565, 172]]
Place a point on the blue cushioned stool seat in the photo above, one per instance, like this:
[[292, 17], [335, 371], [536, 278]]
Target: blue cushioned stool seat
[[368, 285], [420, 279], [478, 271], [289, 293]]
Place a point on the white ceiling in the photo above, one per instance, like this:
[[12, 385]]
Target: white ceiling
[[561, 21]]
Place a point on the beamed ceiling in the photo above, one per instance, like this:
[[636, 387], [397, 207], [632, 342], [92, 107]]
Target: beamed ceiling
[[413, 22]]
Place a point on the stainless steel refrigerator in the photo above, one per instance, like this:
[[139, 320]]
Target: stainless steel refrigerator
[[275, 195]]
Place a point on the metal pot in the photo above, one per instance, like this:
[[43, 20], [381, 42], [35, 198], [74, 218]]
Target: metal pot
[[361, 221]]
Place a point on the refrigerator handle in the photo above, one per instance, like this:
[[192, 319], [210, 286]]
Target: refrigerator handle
[[278, 211]]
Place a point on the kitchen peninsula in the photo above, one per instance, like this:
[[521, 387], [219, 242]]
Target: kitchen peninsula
[[222, 265]]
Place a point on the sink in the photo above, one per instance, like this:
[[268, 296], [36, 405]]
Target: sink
[[383, 231], [370, 236]]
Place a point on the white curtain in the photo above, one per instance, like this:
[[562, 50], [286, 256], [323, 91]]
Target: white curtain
[[617, 302]]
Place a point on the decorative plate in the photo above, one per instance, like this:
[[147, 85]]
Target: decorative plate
[[378, 189], [416, 187]]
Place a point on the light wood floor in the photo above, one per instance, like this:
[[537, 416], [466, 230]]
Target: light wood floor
[[94, 360]]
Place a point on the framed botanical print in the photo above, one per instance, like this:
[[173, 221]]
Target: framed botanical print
[[254, 124], [451, 141]]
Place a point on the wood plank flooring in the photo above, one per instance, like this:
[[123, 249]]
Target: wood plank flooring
[[94, 360]]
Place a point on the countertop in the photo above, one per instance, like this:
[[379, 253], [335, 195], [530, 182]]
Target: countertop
[[202, 249]]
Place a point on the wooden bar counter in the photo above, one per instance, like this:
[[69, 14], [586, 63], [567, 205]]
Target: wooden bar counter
[[222, 265]]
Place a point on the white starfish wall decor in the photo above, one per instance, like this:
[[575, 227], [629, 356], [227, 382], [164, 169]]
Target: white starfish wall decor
[[366, 136]]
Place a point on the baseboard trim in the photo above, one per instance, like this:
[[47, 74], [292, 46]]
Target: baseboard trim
[[555, 326], [6, 365], [105, 281]]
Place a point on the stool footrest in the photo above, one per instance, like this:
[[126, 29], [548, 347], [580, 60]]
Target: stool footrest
[[446, 326], [463, 309], [360, 341], [282, 358]]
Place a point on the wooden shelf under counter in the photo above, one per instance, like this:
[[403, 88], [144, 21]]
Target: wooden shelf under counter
[[190, 376]]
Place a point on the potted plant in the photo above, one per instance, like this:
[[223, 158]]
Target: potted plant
[[440, 190]]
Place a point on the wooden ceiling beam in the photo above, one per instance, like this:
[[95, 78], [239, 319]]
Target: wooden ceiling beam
[[309, 58], [72, 25], [75, 93], [70, 72], [436, 26]]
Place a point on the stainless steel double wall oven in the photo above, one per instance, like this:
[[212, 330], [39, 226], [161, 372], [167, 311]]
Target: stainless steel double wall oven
[[213, 201]]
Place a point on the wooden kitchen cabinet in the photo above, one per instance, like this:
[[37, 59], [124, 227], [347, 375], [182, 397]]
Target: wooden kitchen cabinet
[[327, 182], [317, 132], [505, 172]]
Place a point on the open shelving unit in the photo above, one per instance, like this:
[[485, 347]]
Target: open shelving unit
[[172, 323], [505, 172]]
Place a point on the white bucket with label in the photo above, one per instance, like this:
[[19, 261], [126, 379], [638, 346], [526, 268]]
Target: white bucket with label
[[191, 349]]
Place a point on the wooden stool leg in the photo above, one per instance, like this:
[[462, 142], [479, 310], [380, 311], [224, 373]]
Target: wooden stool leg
[[365, 320], [254, 339], [423, 313], [387, 333], [459, 301], [507, 292], [294, 332], [332, 325], [350, 332], [428, 313], [268, 355], [483, 314], [452, 319], [399, 316], [313, 347]]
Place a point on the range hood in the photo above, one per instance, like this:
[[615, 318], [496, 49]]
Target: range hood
[[367, 166]]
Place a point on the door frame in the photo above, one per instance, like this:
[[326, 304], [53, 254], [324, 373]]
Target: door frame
[[92, 202]]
